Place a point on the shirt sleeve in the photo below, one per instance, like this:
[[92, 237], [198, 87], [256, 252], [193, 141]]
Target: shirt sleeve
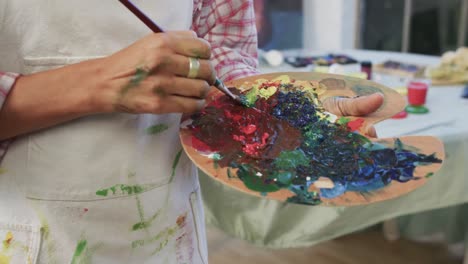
[[229, 26], [7, 80]]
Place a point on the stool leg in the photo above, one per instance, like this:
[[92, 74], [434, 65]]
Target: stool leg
[[390, 230]]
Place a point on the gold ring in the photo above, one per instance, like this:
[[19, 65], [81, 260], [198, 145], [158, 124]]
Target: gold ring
[[194, 67]]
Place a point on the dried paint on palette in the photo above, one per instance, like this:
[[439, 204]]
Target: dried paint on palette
[[285, 140]]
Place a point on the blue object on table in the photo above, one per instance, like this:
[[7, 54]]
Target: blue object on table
[[465, 92]]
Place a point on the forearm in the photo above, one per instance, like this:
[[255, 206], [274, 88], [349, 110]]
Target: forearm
[[49, 98]]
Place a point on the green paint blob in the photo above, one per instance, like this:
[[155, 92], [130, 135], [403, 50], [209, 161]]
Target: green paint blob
[[255, 183], [156, 129], [284, 178], [429, 175], [289, 160], [251, 97], [343, 121], [303, 196]]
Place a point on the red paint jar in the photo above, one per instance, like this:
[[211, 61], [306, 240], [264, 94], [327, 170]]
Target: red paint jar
[[417, 92]]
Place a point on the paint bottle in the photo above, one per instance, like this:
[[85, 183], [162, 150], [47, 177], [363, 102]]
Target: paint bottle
[[465, 92], [366, 66]]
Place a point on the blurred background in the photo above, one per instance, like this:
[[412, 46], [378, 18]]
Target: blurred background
[[403, 41], [417, 26]]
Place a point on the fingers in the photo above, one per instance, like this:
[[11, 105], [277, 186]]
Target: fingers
[[183, 33], [159, 105], [180, 66], [192, 47], [371, 132], [167, 86], [183, 43], [359, 106], [179, 104], [170, 52]]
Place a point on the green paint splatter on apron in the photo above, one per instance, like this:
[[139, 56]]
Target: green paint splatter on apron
[[2, 170], [141, 214], [80, 248], [163, 237], [144, 224], [83, 253], [156, 129], [175, 163], [120, 189]]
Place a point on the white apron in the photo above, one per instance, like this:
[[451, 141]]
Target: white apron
[[101, 189]]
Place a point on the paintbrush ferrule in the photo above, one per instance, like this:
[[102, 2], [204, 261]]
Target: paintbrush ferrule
[[222, 87]]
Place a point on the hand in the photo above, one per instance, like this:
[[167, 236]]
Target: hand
[[150, 76], [359, 106], [147, 77]]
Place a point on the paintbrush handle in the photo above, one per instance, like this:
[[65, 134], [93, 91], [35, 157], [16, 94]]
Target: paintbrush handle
[[156, 29], [144, 18]]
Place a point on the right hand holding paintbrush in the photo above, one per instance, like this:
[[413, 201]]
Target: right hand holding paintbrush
[[157, 74]]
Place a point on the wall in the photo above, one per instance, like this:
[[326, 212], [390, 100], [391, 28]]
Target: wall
[[330, 24]]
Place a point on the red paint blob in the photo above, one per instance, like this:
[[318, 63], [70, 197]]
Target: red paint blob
[[201, 146], [355, 124], [239, 132], [401, 115], [249, 129]]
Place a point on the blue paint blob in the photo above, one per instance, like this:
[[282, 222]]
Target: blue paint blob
[[336, 191]]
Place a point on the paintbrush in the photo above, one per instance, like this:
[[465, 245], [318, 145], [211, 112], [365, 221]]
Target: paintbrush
[[156, 29]]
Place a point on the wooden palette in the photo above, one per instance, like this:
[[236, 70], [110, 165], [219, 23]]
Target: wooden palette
[[336, 86]]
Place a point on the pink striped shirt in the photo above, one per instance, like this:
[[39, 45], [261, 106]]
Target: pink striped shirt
[[229, 26]]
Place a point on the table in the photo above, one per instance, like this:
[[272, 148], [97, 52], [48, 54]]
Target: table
[[274, 224]]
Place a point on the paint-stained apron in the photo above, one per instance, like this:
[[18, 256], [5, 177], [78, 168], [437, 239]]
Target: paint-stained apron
[[112, 188]]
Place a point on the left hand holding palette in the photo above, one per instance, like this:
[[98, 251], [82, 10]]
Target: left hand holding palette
[[286, 147]]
